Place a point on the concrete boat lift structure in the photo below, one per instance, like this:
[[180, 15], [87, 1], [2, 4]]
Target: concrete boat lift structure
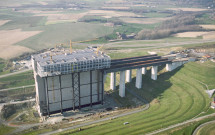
[[67, 81]]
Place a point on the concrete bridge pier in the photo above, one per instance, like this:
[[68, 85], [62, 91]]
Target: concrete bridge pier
[[144, 70], [122, 84], [154, 72], [169, 67], [113, 80], [128, 75], [139, 78]]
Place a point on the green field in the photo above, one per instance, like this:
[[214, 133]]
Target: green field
[[118, 55], [5, 130], [209, 129], [21, 79], [62, 33], [186, 129], [165, 40], [175, 97], [205, 19], [51, 34]]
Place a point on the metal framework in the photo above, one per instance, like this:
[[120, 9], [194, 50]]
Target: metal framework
[[76, 98], [136, 62], [59, 62], [76, 89]]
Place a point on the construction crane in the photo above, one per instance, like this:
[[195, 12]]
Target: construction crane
[[51, 60], [77, 42], [70, 46], [98, 49]]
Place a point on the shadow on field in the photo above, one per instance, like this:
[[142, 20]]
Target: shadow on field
[[153, 89]]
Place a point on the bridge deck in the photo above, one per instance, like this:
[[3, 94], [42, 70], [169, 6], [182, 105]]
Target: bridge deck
[[136, 62]]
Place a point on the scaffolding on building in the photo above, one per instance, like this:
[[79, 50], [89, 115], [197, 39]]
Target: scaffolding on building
[[59, 62]]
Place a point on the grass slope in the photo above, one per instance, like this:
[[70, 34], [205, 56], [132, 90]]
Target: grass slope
[[209, 129], [5, 130], [187, 129], [175, 97], [21, 79]]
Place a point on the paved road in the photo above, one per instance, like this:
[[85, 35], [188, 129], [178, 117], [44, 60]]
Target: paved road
[[26, 86], [14, 73], [158, 45], [180, 124], [202, 125]]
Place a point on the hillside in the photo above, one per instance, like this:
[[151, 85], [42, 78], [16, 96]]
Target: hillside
[[175, 97]]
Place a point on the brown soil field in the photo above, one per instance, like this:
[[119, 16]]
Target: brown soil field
[[115, 8], [63, 17], [188, 9], [112, 13], [42, 3], [10, 51], [140, 5], [55, 17], [38, 11], [115, 1], [211, 27], [210, 35], [205, 35], [144, 20], [190, 34], [2, 22], [10, 37]]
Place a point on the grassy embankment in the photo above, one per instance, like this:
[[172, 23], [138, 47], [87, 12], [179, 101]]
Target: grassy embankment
[[209, 129], [5, 130], [17, 80], [3, 67], [186, 129], [183, 99], [175, 97]]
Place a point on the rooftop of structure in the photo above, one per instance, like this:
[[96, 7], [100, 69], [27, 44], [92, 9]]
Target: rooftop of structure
[[60, 56]]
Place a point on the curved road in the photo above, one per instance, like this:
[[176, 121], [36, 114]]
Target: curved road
[[180, 124], [26, 86], [202, 125], [151, 45], [14, 73]]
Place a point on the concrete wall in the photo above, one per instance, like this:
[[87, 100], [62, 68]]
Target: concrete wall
[[128, 75], [40, 89], [113, 80], [154, 71], [139, 78], [122, 84], [54, 93]]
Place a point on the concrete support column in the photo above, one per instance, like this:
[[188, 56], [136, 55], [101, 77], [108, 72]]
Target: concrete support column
[[139, 78], [113, 81], [144, 70], [154, 72], [128, 75], [173, 66], [122, 84], [169, 67], [105, 77]]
